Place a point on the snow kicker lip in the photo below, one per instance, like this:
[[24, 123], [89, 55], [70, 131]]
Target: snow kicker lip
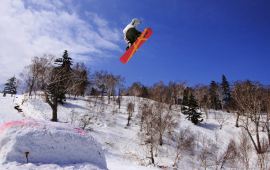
[[15, 123], [24, 122], [80, 131]]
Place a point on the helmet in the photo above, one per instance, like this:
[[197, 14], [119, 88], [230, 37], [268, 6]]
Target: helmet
[[135, 22]]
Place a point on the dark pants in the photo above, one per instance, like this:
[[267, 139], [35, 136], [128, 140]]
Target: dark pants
[[132, 35]]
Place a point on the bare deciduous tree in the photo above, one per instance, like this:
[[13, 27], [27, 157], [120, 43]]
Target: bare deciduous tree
[[135, 89], [206, 154], [159, 92], [221, 118], [248, 97], [244, 150], [267, 117], [143, 111], [163, 119], [82, 74], [175, 92], [201, 94], [230, 155], [85, 121], [130, 110], [107, 83], [263, 158], [149, 130], [36, 74], [185, 143]]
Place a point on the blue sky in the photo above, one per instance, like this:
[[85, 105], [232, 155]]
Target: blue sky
[[193, 41]]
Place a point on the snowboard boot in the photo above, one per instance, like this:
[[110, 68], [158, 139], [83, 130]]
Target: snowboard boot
[[129, 45]]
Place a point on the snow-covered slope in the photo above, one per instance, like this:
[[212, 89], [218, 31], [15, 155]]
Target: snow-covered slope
[[122, 145]]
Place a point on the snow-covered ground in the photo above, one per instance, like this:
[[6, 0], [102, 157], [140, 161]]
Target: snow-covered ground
[[122, 146], [7, 111]]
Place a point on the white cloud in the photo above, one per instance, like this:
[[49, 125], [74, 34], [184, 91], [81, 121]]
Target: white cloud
[[34, 27], [109, 34]]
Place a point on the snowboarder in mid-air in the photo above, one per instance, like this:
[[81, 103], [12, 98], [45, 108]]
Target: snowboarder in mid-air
[[131, 33], [134, 38]]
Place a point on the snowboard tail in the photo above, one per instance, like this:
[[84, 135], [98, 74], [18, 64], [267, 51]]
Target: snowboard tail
[[146, 34]]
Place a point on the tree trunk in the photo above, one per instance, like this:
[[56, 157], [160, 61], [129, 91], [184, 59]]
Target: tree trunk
[[109, 97], [54, 113], [119, 102], [160, 139], [170, 106], [252, 140], [237, 119], [31, 88], [267, 128], [152, 151], [141, 122], [129, 117], [54, 105], [268, 132], [160, 130], [258, 138]]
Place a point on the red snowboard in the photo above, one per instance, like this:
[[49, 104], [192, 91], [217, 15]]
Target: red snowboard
[[136, 45]]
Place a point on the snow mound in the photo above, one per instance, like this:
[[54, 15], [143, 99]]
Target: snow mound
[[48, 143]]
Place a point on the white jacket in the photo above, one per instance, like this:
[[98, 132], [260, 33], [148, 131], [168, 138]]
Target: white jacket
[[134, 23]]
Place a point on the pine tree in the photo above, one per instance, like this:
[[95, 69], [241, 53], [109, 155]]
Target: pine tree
[[185, 100], [64, 71], [65, 61], [145, 93], [93, 92], [215, 103], [10, 86], [192, 114], [226, 92], [60, 81]]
